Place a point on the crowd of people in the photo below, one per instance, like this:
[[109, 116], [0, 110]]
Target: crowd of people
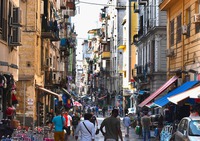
[[64, 124]]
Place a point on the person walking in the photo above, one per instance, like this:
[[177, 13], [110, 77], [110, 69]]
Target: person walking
[[86, 128], [75, 121], [112, 127], [94, 119], [68, 124], [50, 116], [57, 123], [127, 123], [97, 110], [146, 122]]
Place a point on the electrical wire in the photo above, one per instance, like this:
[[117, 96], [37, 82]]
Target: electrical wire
[[90, 3]]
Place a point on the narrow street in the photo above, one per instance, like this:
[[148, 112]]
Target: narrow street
[[132, 135]]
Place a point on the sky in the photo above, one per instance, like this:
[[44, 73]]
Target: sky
[[86, 19]]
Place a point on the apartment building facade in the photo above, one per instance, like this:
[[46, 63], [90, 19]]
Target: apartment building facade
[[151, 48], [183, 38], [10, 41], [38, 44]]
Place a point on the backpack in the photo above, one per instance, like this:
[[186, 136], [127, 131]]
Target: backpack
[[75, 120]]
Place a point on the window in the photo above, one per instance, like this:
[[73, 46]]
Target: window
[[1, 16], [181, 126], [197, 10], [3, 19], [172, 33], [188, 21], [178, 29]]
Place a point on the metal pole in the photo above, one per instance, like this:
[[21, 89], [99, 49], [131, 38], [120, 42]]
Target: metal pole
[[24, 104]]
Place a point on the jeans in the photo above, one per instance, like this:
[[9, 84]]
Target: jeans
[[146, 134], [127, 130]]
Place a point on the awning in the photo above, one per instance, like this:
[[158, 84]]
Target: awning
[[141, 92], [51, 92], [163, 100], [192, 93], [66, 91], [102, 97], [158, 91]]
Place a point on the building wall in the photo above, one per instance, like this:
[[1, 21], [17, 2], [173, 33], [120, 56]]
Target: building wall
[[30, 58], [151, 47], [186, 52]]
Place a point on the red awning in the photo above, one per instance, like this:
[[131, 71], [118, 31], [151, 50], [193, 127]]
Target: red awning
[[158, 91]]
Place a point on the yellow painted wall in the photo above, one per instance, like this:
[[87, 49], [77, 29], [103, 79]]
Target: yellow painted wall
[[189, 48], [134, 30]]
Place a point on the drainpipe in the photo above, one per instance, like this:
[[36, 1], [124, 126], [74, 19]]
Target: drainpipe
[[183, 46]]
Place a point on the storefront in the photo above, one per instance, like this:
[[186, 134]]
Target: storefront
[[8, 100], [158, 92]]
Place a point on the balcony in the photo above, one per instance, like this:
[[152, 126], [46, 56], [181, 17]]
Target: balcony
[[136, 8], [105, 55], [53, 78], [50, 30], [142, 2]]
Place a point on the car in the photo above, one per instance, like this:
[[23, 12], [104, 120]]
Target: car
[[188, 130], [131, 110]]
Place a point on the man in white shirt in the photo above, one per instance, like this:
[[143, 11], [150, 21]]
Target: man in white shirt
[[86, 129]]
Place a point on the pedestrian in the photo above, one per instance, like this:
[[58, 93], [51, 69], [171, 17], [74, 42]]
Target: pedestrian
[[193, 112], [68, 124], [50, 117], [86, 128], [127, 123], [160, 124], [57, 123], [94, 119], [146, 123], [104, 111], [112, 127], [75, 121], [97, 110]]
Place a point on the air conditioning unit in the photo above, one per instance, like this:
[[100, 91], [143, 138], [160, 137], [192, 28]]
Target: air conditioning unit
[[184, 30], [197, 18], [15, 37], [17, 16], [170, 52]]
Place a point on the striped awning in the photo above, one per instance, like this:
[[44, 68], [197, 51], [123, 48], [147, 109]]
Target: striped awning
[[158, 91]]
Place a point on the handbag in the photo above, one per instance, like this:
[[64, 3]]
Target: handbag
[[97, 131], [64, 127]]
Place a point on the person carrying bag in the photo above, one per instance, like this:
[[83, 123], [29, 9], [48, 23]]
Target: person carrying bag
[[86, 128], [58, 122]]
